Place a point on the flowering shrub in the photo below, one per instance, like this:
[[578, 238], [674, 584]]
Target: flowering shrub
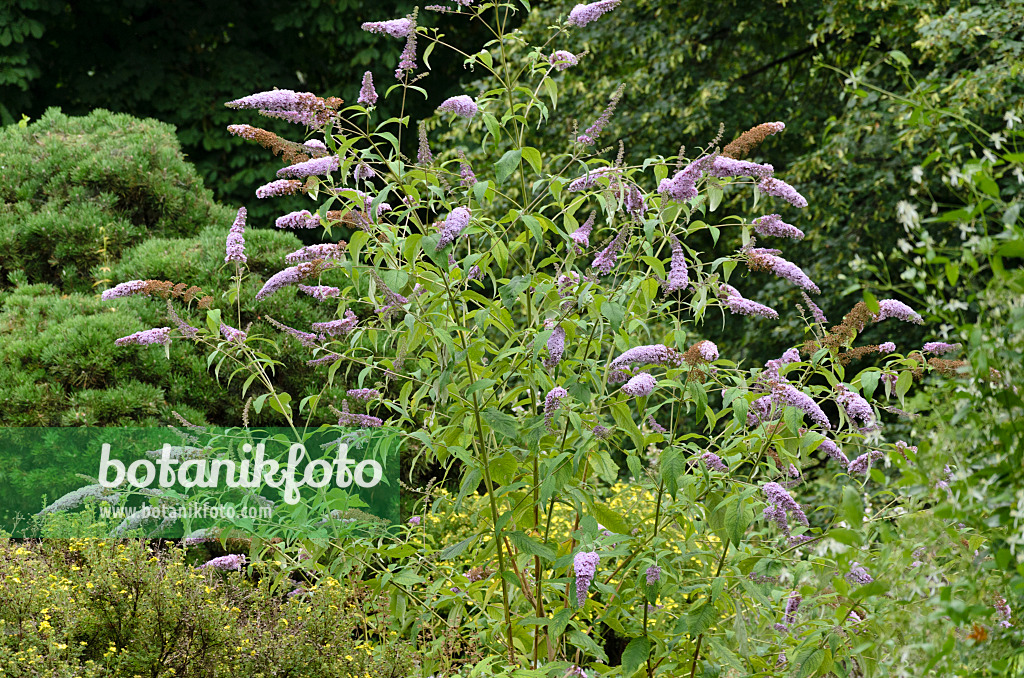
[[540, 322]]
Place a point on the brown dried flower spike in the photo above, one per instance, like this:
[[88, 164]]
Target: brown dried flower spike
[[751, 139]]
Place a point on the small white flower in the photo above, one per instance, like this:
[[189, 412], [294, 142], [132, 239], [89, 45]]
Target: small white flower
[[956, 305], [907, 215], [917, 173], [904, 245], [1019, 175], [989, 155], [1010, 117]]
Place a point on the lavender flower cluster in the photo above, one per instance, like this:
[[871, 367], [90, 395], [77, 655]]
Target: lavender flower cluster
[[585, 565], [779, 504], [653, 354]]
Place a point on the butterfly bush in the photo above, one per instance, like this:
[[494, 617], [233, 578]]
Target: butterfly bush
[[539, 322]]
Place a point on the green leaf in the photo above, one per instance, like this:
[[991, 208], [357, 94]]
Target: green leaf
[[480, 384], [492, 127], [507, 165], [502, 423], [871, 301], [738, 516], [449, 552], [558, 623], [624, 420], [536, 229], [532, 156], [551, 87], [280, 403], [587, 644], [812, 663], [635, 655], [614, 312], [213, 321], [610, 519], [511, 291], [853, 508], [869, 382], [700, 619], [528, 544], [503, 469]]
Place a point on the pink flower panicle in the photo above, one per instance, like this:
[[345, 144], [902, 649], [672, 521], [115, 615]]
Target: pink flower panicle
[[125, 289], [589, 137], [736, 303], [279, 187], [454, 224], [283, 278], [367, 94], [641, 384], [792, 605], [653, 575], [562, 60], [363, 172], [553, 403], [887, 347], [320, 292], [652, 354], [232, 334], [581, 15], [407, 60], [604, 262], [310, 168], [312, 252], [708, 350], [423, 154], [713, 462], [556, 347], [655, 426], [466, 176], [678, 276], [396, 28], [235, 245], [585, 565], [1004, 612], [340, 327], [770, 373], [296, 220], [940, 347], [581, 236], [364, 394], [393, 301], [902, 447], [307, 339], [462, 106], [773, 225], [315, 144], [778, 188], [157, 335], [761, 259], [778, 504]]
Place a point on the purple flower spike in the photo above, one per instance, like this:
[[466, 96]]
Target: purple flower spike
[[713, 462], [346, 418], [653, 575], [862, 464], [735, 302], [653, 354], [585, 564], [589, 137], [231, 334], [415, 520], [296, 220], [320, 292], [683, 184], [780, 189], [678, 276], [887, 347], [856, 406], [279, 187], [779, 503], [1004, 612], [456, 222], [604, 262], [364, 394], [833, 451], [589, 179], [785, 394], [367, 94], [231, 562], [773, 225], [581, 236], [235, 245], [288, 276], [891, 308], [724, 167], [157, 335], [940, 347], [640, 385], [556, 347], [816, 313], [407, 61], [310, 168], [462, 106], [760, 259], [858, 575], [581, 15], [125, 289], [708, 350], [396, 28], [315, 143], [340, 327], [562, 60], [311, 252], [553, 403]]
